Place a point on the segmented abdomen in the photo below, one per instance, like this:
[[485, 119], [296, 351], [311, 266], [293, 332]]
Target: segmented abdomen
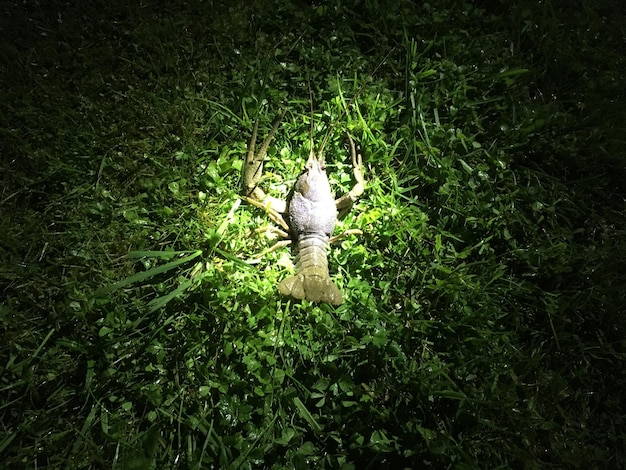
[[311, 281], [311, 254]]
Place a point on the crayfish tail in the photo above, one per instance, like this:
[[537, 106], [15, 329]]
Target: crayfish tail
[[313, 288]]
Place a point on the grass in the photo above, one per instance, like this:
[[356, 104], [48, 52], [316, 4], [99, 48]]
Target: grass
[[483, 318]]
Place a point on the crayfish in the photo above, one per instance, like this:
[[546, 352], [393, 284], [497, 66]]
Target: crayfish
[[308, 216]]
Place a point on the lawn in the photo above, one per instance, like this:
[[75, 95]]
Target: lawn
[[483, 323]]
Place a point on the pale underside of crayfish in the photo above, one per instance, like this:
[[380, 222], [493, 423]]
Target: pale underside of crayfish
[[307, 217]]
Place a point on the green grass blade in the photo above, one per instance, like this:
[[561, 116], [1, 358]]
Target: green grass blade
[[306, 415], [161, 302], [103, 291]]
